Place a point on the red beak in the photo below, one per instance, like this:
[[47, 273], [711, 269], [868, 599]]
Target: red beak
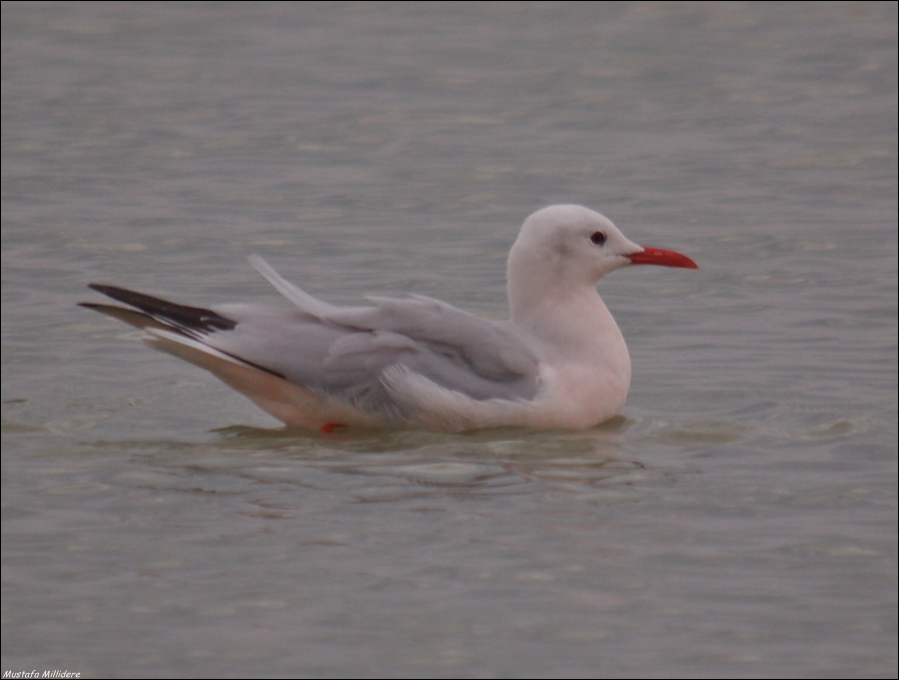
[[666, 258]]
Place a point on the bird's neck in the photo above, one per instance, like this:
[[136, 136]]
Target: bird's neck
[[574, 334], [568, 318], [563, 313]]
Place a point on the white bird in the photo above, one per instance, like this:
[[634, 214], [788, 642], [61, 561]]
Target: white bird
[[559, 362]]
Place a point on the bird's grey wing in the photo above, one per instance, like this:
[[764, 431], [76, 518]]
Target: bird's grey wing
[[346, 355], [457, 350], [480, 358]]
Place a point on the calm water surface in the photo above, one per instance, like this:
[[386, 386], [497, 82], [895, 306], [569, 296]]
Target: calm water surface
[[739, 519]]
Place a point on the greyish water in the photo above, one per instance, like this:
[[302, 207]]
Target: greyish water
[[739, 519]]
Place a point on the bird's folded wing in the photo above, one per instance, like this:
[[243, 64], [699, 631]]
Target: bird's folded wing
[[488, 350]]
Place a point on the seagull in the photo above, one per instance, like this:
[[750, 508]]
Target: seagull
[[559, 362]]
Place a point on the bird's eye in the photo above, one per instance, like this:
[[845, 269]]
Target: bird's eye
[[598, 238]]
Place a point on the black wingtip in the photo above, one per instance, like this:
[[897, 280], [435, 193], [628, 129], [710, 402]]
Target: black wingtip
[[186, 317], [111, 291]]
